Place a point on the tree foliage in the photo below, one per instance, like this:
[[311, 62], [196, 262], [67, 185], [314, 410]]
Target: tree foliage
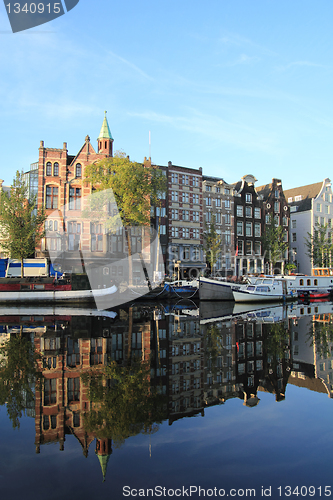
[[273, 243], [135, 186], [21, 221], [18, 376], [213, 242], [124, 403], [319, 246]]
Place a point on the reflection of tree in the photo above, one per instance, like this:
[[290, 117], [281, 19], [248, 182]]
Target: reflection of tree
[[124, 403], [276, 343], [18, 374], [323, 338], [213, 345]]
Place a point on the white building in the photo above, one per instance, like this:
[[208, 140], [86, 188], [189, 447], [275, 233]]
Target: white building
[[310, 206]]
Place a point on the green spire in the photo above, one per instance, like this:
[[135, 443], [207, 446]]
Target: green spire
[[103, 460], [105, 132]]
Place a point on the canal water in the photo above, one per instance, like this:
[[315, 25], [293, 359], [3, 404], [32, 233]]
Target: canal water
[[161, 400]]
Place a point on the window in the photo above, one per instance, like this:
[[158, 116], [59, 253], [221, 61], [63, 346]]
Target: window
[[78, 170], [174, 214], [329, 222], [257, 213], [186, 232], [248, 197], [239, 228], [49, 168], [174, 178], [174, 195], [186, 180], [294, 236], [298, 198], [227, 203], [257, 247], [187, 253], [277, 193], [174, 232], [73, 389], [208, 201], [186, 215], [285, 221], [74, 232], [327, 209], [318, 207], [196, 181], [51, 197], [240, 246], [257, 230], [276, 220], [196, 217], [196, 233], [218, 202], [208, 188], [228, 237], [285, 236], [217, 189], [96, 237], [248, 229], [239, 211], [196, 199], [227, 191], [185, 197], [248, 211], [56, 169], [227, 219], [276, 206], [293, 224], [208, 216], [73, 352], [74, 198], [50, 391]]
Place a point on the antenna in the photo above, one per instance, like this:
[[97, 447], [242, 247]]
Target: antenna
[[149, 145]]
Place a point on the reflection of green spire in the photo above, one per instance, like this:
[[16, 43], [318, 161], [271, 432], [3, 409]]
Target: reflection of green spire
[[105, 132], [103, 460]]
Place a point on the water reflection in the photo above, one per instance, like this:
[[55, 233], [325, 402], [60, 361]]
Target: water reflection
[[105, 376]]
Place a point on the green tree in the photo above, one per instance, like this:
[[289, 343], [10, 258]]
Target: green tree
[[21, 221], [273, 242], [319, 246], [18, 376], [213, 242], [136, 187], [124, 403]]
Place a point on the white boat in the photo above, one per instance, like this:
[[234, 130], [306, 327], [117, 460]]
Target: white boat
[[216, 289], [261, 290]]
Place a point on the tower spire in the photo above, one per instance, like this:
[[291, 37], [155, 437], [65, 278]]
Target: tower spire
[[105, 139]]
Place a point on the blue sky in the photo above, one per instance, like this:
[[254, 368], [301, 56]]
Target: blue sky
[[233, 86]]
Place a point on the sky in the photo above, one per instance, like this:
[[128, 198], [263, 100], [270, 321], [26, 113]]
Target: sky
[[236, 87]]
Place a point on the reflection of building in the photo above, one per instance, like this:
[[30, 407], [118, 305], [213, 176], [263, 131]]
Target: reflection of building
[[185, 366], [219, 362]]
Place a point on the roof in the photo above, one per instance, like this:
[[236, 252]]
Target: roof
[[105, 132], [309, 191]]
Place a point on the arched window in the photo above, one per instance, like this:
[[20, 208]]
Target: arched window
[[78, 170], [56, 169], [49, 168]]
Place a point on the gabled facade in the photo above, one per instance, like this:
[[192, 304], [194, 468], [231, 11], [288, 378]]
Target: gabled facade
[[249, 223], [310, 205], [275, 205]]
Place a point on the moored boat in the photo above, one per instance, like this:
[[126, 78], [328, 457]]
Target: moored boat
[[261, 290], [217, 288]]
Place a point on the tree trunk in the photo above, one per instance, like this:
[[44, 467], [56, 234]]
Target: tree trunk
[[22, 268]]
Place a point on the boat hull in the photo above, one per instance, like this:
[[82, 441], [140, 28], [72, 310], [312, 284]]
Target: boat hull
[[63, 296], [214, 289]]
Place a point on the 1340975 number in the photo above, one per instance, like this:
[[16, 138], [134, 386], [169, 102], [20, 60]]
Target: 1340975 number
[[34, 8]]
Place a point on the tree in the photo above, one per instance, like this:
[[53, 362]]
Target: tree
[[19, 375], [123, 402], [213, 243], [319, 246], [21, 221], [273, 243], [136, 187]]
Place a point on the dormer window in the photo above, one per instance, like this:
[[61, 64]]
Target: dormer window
[[248, 197]]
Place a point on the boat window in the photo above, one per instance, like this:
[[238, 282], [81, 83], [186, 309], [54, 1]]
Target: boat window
[[39, 287], [316, 282], [308, 282], [25, 287], [301, 282], [263, 289], [251, 287]]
